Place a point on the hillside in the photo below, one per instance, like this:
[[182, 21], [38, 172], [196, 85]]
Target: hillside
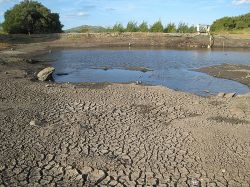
[[86, 28]]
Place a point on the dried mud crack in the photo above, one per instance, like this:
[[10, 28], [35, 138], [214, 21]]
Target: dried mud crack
[[120, 135]]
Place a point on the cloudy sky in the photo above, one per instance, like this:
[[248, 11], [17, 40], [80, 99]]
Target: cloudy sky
[[107, 12]]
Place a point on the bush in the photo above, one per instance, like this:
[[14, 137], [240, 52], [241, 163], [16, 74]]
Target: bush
[[132, 27], [192, 29], [143, 27], [157, 27], [118, 28], [171, 28], [183, 28], [30, 17], [231, 23]]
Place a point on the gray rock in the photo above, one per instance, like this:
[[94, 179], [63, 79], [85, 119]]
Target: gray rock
[[46, 74]]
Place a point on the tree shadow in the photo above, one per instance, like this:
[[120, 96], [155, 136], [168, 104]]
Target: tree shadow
[[26, 39]]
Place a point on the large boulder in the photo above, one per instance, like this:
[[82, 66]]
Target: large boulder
[[46, 74]]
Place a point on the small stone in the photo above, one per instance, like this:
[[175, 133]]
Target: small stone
[[230, 95], [97, 175], [221, 94], [2, 168], [193, 182], [86, 170], [6, 73], [223, 171], [138, 82], [33, 122]]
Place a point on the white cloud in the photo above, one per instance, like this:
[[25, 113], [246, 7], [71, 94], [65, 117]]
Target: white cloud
[[82, 14], [239, 2], [76, 14]]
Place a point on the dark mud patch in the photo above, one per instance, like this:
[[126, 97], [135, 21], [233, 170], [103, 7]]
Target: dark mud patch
[[240, 73], [142, 69], [61, 74], [132, 68], [105, 68], [233, 121]]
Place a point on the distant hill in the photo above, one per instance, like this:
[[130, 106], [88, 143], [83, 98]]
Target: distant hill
[[86, 28], [232, 23]]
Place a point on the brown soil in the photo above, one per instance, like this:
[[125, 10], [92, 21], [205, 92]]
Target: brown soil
[[116, 134], [125, 40], [240, 73]]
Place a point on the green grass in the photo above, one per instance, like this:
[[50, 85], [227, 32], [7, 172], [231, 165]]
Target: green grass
[[241, 31]]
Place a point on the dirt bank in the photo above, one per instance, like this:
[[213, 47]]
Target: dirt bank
[[236, 72], [117, 135], [126, 40]]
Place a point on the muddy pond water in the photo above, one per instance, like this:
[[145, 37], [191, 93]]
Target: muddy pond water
[[174, 69]]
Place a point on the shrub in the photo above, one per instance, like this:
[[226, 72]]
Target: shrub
[[183, 28], [132, 27], [157, 27], [143, 27], [171, 28], [118, 28]]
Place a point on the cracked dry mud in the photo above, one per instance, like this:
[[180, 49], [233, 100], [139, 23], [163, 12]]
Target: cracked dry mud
[[120, 135]]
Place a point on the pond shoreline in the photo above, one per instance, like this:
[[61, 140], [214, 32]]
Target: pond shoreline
[[122, 134]]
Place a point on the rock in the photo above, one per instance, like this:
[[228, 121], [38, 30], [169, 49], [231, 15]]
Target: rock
[[97, 176], [230, 95], [193, 182], [33, 122], [138, 82], [86, 170], [46, 74], [221, 94]]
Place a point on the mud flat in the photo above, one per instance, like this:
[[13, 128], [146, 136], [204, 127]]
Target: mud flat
[[118, 134], [240, 73]]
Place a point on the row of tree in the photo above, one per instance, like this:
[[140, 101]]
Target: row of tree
[[144, 27], [231, 23]]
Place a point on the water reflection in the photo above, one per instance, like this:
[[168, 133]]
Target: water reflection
[[171, 68]]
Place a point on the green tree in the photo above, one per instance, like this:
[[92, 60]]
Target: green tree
[[118, 27], [157, 27], [183, 28], [171, 28], [143, 27], [132, 27], [30, 17], [192, 29]]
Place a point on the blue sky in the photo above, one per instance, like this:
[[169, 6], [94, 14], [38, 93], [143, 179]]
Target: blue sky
[[108, 12]]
